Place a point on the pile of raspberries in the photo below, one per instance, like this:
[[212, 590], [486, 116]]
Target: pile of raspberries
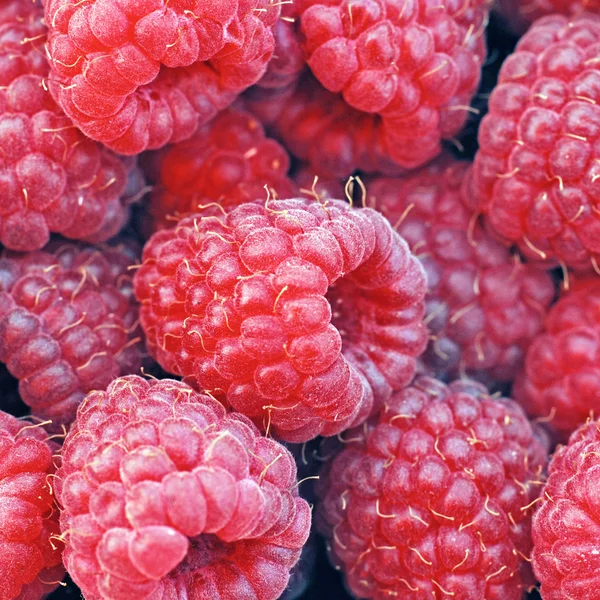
[[299, 299]]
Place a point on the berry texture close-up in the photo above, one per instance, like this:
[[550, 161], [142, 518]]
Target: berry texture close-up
[[484, 306], [302, 315], [165, 496], [229, 160], [432, 499], [537, 172], [30, 550], [566, 525], [52, 178], [138, 75], [561, 377], [68, 324]]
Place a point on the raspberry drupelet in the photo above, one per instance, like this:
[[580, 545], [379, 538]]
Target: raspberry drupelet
[[537, 172], [566, 525], [138, 75], [229, 160], [52, 178], [30, 547], [561, 376], [302, 315], [164, 495], [68, 324], [484, 306], [399, 74], [432, 499]]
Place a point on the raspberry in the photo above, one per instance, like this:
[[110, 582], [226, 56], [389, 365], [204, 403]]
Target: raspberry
[[483, 305], [31, 561], [519, 14], [566, 525], [537, 172], [302, 574], [164, 495], [404, 73], [304, 112], [52, 178], [230, 160], [303, 316], [561, 376], [68, 321], [138, 75], [432, 499], [313, 186]]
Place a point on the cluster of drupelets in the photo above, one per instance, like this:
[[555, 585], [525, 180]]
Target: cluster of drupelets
[[253, 306]]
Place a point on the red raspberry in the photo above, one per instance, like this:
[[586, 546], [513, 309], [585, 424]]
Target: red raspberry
[[230, 161], [348, 139], [519, 14], [52, 178], [405, 71], [31, 564], [313, 186], [537, 172], [432, 499], [483, 305], [298, 314], [567, 525], [68, 324], [138, 75], [164, 495], [561, 377]]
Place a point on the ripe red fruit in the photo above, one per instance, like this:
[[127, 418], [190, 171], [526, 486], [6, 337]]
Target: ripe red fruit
[[52, 178], [164, 495], [432, 498], [31, 565], [537, 172], [484, 306], [138, 75], [561, 376], [403, 74], [566, 525], [68, 324], [301, 315], [229, 160]]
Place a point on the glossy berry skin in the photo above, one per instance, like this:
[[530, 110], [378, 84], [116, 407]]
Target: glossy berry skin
[[301, 315], [484, 306], [31, 564], [164, 495], [229, 160], [138, 75], [560, 379], [431, 499], [566, 524], [536, 175], [52, 178], [68, 324]]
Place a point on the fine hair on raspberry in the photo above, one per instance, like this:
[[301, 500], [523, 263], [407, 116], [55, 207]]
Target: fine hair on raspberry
[[165, 495], [302, 315], [433, 498]]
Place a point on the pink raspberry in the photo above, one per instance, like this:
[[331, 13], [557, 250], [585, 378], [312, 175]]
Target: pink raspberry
[[567, 524], [31, 564], [561, 377], [301, 315], [164, 495], [537, 172], [230, 160], [484, 306], [138, 75], [433, 498], [68, 324], [405, 73], [52, 178], [520, 14]]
